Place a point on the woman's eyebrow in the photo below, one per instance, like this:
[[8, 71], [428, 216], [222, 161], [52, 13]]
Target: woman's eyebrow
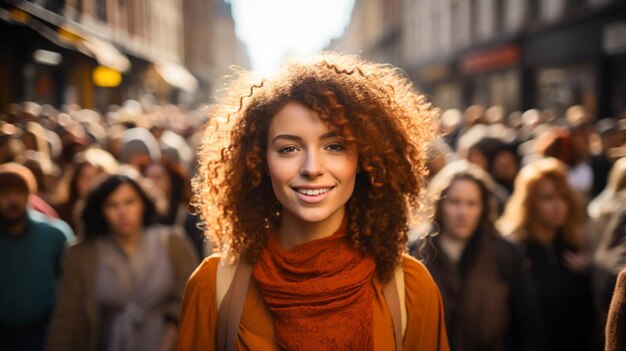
[[328, 135], [287, 136]]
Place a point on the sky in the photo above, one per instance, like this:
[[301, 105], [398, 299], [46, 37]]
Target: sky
[[272, 29]]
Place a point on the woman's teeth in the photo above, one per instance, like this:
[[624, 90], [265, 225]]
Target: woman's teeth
[[313, 192]]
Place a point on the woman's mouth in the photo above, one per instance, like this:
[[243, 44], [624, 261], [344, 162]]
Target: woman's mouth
[[312, 195], [314, 192]]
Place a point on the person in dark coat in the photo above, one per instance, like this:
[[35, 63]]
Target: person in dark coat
[[488, 297], [545, 217]]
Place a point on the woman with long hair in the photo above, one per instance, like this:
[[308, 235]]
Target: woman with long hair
[[545, 217], [486, 290], [308, 178], [121, 285], [87, 167]]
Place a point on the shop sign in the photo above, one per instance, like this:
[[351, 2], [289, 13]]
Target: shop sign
[[106, 77], [490, 59], [435, 72]]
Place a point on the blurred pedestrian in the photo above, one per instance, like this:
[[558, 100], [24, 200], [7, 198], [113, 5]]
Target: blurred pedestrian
[[611, 137], [30, 251], [11, 146], [608, 211], [173, 184], [487, 292], [308, 179], [86, 169], [139, 148], [545, 216], [569, 148], [121, 285]]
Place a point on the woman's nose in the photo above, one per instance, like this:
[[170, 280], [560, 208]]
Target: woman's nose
[[312, 165]]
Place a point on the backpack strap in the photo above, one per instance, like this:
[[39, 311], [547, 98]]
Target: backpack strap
[[392, 292], [224, 277], [230, 307], [399, 275]]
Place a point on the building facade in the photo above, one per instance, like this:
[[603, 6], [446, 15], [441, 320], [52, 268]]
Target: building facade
[[95, 53], [211, 44], [519, 54]]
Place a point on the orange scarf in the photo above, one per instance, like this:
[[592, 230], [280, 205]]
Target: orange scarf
[[319, 293]]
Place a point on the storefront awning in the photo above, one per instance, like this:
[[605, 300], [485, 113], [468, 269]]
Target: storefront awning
[[67, 34], [177, 76], [106, 54]]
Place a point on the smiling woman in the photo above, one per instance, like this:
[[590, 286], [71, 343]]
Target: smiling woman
[[309, 178], [312, 173]]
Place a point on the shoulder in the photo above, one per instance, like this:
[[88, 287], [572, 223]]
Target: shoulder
[[44, 225], [202, 280], [510, 257], [177, 244], [172, 235], [417, 278], [508, 247], [425, 328], [82, 249]]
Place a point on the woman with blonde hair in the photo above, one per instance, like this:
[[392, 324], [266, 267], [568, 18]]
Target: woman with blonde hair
[[545, 217], [307, 180]]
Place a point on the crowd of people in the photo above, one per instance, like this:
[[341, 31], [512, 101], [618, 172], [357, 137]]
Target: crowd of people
[[525, 237], [117, 188]]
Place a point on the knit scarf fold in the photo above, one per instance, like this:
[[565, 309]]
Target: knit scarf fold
[[319, 293]]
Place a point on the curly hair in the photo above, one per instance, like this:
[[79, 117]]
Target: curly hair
[[368, 105]]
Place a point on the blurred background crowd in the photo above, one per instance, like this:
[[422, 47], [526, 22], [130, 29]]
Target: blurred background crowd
[[529, 208], [69, 151]]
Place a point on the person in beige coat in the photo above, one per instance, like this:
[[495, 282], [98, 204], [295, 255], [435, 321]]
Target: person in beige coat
[[121, 286]]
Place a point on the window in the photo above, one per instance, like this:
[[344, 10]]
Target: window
[[101, 10]]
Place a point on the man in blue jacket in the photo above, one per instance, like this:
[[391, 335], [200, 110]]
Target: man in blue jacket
[[30, 251]]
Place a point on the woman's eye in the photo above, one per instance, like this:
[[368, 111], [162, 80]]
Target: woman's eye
[[287, 149], [335, 147]]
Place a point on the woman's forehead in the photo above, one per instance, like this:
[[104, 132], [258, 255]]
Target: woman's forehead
[[297, 118]]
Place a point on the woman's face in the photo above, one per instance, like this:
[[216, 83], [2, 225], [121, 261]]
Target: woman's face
[[123, 211], [461, 209], [312, 171], [85, 178], [476, 157], [504, 166], [550, 207], [159, 176]]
